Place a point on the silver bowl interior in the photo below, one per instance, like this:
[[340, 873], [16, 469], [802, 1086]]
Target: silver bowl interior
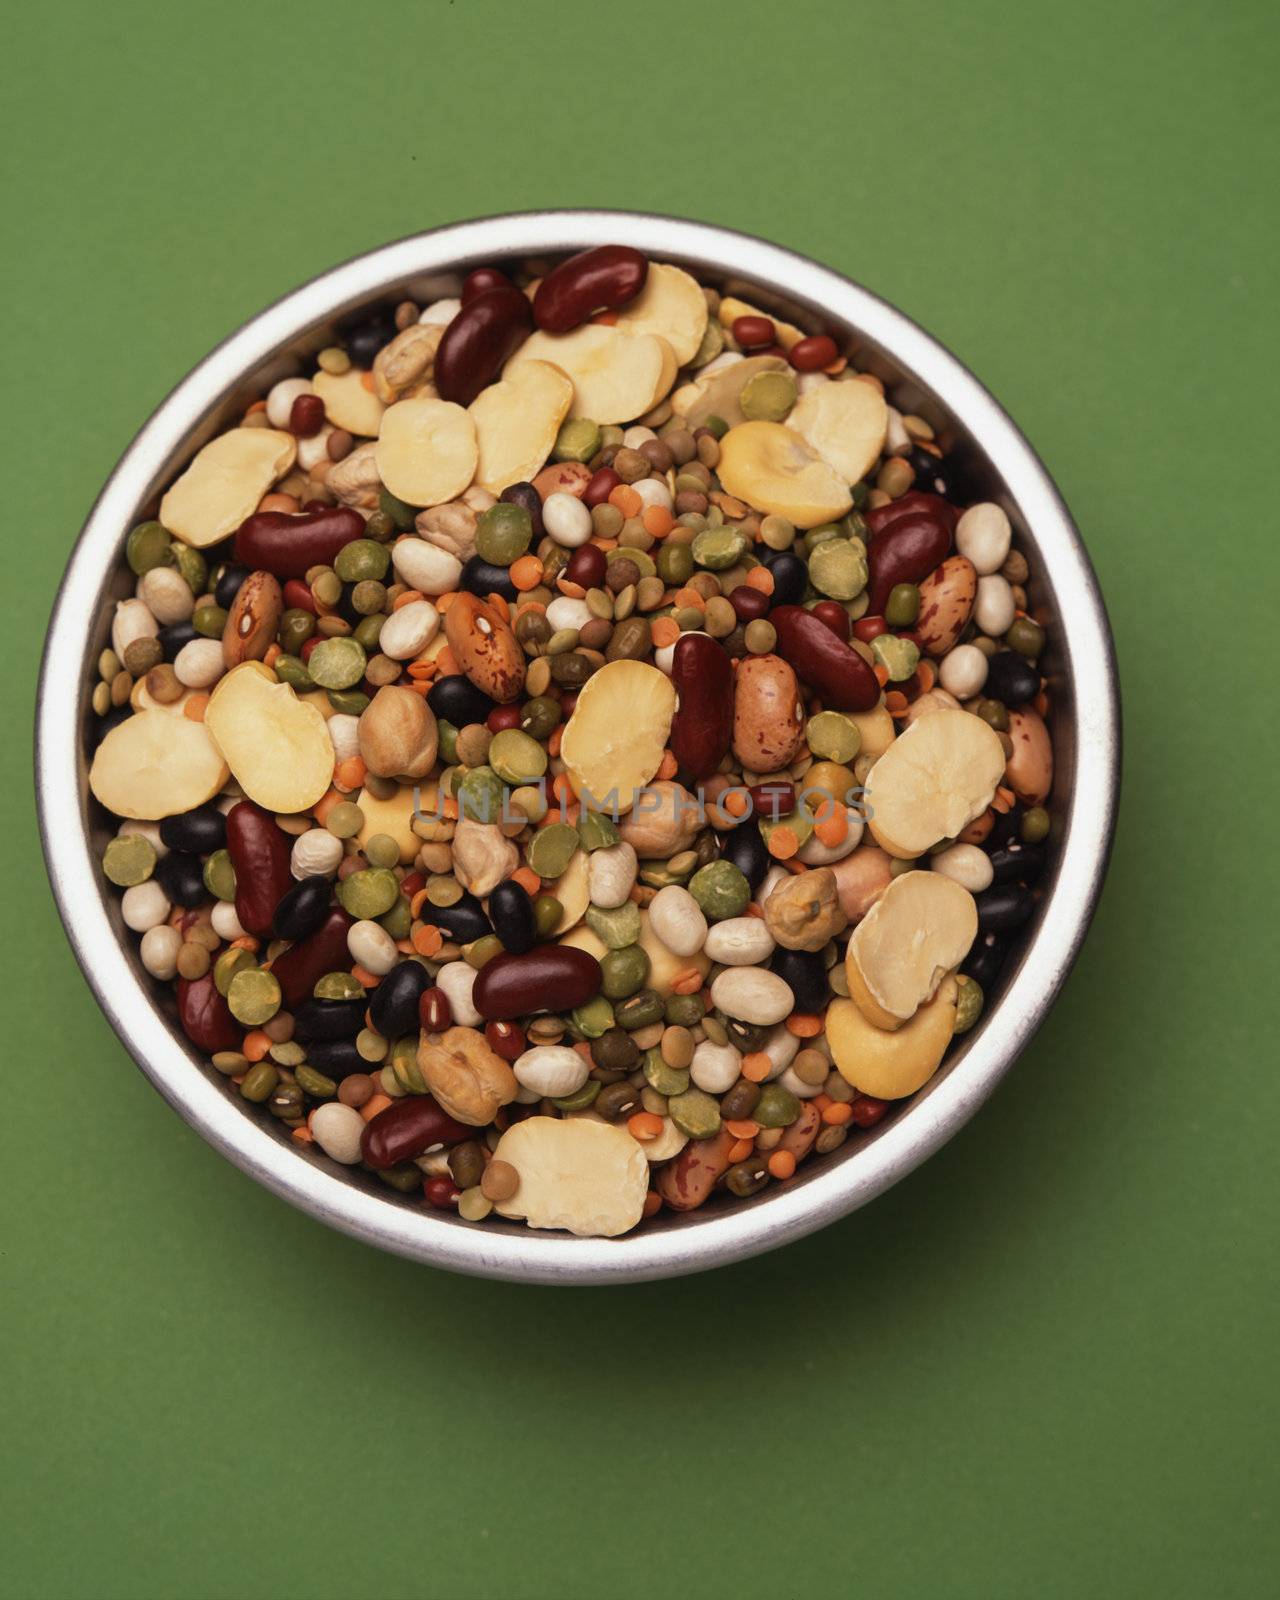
[[921, 377]]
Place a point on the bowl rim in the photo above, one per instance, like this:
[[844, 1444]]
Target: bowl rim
[[731, 1234]]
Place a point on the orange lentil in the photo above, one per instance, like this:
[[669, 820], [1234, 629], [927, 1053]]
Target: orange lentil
[[605, 319], [444, 601], [528, 880], [837, 366], [427, 939], [258, 405], [782, 1164], [742, 1128], [803, 1026], [407, 598], [760, 578], [500, 605], [896, 703], [739, 1150], [645, 1125], [526, 573], [927, 674], [687, 982], [325, 804], [417, 902], [575, 591], [279, 502], [553, 740], [783, 843], [366, 381], [837, 1114], [245, 941], [1041, 704], [999, 803], [349, 774], [255, 1046], [273, 654], [421, 671], [626, 500], [652, 1203], [375, 1103], [365, 978], [657, 521], [832, 830], [195, 707], [665, 631], [735, 803], [821, 1101], [667, 767], [447, 663], [756, 1066], [882, 674], [302, 1136]]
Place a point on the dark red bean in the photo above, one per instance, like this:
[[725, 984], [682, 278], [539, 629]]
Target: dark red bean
[[503, 717], [867, 1110], [526, 496], [479, 340], [752, 332], [834, 616], [505, 1040], [306, 416], [600, 486], [917, 503], [441, 1192], [407, 1129], [586, 566], [411, 883], [308, 645], [205, 1016], [813, 353], [906, 552], [259, 851], [773, 800], [869, 628], [840, 676], [297, 596], [748, 603], [552, 977], [481, 279], [302, 965], [595, 280], [287, 544], [435, 1013], [702, 727]]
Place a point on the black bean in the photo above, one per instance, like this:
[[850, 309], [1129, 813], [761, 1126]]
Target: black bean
[[524, 494], [1001, 910], [483, 578], [174, 636], [228, 586], [337, 1058], [1011, 679], [511, 912], [745, 848], [327, 1019], [932, 475], [984, 960], [365, 334], [393, 1009], [303, 909], [790, 578], [199, 832], [805, 974], [464, 921], [102, 726], [1004, 828], [744, 1036], [181, 876], [1018, 862], [458, 701]]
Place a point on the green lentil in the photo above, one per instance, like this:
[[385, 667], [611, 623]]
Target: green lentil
[[148, 546], [230, 1062], [480, 795], [443, 890], [578, 440], [777, 533], [718, 548], [288, 1053], [623, 972], [580, 1099], [503, 533], [696, 1113], [382, 851], [721, 890], [639, 1010], [547, 912], [711, 346], [129, 861], [675, 563], [516, 757], [337, 663], [903, 605], [253, 996], [1026, 637], [994, 713], [760, 636], [551, 849], [326, 587], [209, 621], [371, 1045], [293, 671], [260, 1082], [482, 950], [474, 1205], [719, 619], [768, 397], [776, 1108], [362, 559], [399, 920], [314, 1083], [369, 893]]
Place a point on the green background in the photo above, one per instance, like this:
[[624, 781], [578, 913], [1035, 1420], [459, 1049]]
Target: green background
[[1043, 1366]]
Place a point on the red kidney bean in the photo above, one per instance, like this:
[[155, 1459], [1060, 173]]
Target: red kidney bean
[[834, 616], [286, 543], [503, 717], [259, 852], [481, 279], [748, 603], [205, 1016], [907, 552], [702, 728], [773, 800], [586, 566], [308, 645], [408, 1128], [479, 340], [917, 503], [411, 883], [813, 353], [600, 487], [306, 416], [441, 1192], [867, 1110], [567, 704], [828, 665], [302, 965], [869, 628], [505, 1040], [297, 596], [553, 977], [435, 1013], [595, 280], [751, 332]]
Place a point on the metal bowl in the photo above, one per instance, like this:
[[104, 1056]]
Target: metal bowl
[[921, 377]]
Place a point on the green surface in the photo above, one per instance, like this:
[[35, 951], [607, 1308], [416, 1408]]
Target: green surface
[[1044, 1366]]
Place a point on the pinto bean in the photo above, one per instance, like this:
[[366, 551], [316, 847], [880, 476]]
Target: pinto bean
[[702, 727], [477, 343], [594, 280], [259, 852], [827, 664], [287, 544], [694, 1173], [798, 1139]]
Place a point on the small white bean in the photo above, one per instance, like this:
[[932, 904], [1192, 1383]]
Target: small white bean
[[897, 441], [337, 1129], [994, 608], [440, 313], [144, 906], [963, 671], [752, 994], [317, 853], [782, 1047], [983, 536], [281, 397], [566, 612], [344, 735], [409, 630], [654, 492], [200, 663], [133, 620], [715, 1068], [225, 922], [566, 519], [372, 947], [611, 875], [637, 435], [159, 950], [314, 449], [457, 980], [425, 567], [166, 594], [150, 831], [966, 865], [552, 1070], [739, 942], [677, 919]]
